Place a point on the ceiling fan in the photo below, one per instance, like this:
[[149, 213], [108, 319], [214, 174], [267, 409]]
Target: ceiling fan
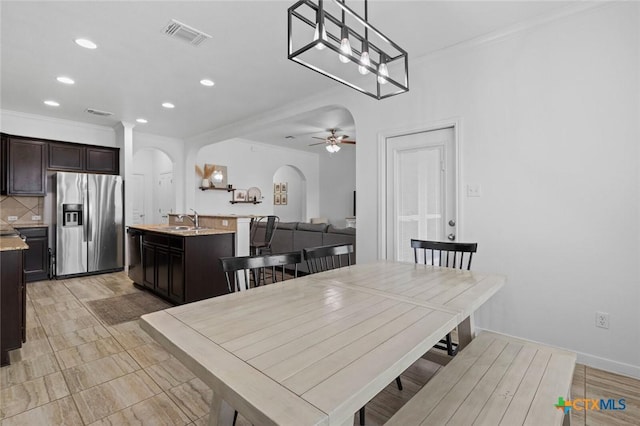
[[333, 142]]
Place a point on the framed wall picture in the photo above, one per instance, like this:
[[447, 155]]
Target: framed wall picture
[[240, 195], [276, 199], [283, 198], [283, 187], [276, 188]]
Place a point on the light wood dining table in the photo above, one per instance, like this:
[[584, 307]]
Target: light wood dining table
[[314, 350]]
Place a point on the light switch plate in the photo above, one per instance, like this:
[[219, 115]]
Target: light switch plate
[[12, 218], [474, 190], [36, 217]]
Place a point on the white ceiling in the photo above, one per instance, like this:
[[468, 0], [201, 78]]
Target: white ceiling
[[136, 67]]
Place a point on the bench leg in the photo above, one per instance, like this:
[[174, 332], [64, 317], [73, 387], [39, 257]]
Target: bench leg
[[221, 412], [567, 419], [464, 333]]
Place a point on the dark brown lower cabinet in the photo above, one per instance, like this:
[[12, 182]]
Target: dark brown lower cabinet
[[13, 301], [36, 258], [183, 269]]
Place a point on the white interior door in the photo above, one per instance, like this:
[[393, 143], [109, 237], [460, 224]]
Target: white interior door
[[421, 190], [138, 199], [165, 196]]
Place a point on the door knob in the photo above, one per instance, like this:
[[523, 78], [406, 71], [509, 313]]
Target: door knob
[[451, 237], [452, 222]]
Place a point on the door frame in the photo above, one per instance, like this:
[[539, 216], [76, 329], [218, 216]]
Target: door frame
[[456, 124]]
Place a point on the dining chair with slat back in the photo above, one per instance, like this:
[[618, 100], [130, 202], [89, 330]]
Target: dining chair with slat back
[[260, 269], [262, 232], [449, 255], [325, 258]]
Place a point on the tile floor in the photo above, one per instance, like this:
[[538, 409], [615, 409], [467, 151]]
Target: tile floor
[[74, 370]]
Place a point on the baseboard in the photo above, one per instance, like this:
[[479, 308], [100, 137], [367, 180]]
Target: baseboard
[[592, 360]]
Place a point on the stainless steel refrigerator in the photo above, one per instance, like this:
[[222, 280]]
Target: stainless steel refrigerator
[[89, 230]]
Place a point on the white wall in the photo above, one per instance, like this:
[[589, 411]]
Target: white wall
[[40, 126], [338, 182], [549, 128], [250, 164], [296, 195]]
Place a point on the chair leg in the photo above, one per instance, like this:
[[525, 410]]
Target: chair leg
[[235, 417], [362, 416], [399, 383], [451, 351]]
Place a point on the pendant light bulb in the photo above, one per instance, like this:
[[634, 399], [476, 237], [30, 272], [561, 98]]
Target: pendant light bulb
[[383, 71], [364, 60], [345, 46], [316, 36]]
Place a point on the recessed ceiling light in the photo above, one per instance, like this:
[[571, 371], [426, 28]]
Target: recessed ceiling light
[[51, 103], [141, 120], [207, 82], [88, 44], [65, 80], [168, 105]]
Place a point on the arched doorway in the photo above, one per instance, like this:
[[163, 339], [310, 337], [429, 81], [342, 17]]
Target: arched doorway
[[153, 189], [290, 194]]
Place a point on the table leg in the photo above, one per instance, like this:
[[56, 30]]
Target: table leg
[[464, 333], [221, 412]]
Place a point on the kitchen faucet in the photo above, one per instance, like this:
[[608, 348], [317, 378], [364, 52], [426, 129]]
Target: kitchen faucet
[[194, 219]]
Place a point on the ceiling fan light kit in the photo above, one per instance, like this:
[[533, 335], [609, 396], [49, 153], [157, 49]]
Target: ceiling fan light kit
[[332, 142], [324, 36]]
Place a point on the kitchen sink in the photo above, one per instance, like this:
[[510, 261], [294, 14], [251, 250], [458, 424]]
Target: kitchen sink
[[180, 228], [177, 228]]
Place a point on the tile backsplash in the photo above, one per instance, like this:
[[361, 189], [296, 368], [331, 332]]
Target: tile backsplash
[[24, 208]]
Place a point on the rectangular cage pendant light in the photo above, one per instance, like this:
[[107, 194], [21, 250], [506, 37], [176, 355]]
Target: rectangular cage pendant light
[[332, 39]]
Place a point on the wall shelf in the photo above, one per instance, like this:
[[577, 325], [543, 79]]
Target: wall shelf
[[245, 202], [217, 189]]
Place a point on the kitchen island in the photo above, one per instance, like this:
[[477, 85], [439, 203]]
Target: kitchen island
[[13, 297], [179, 263]]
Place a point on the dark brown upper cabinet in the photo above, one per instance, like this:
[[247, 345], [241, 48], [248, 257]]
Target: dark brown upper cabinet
[[66, 156], [102, 160], [24, 162], [25, 166]]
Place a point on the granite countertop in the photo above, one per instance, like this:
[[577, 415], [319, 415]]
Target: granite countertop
[[164, 229], [12, 242], [30, 225]]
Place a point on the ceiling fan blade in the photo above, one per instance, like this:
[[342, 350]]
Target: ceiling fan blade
[[314, 137], [342, 137], [348, 142], [319, 143]]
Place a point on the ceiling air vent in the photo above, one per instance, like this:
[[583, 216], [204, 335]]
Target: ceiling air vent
[[184, 32], [98, 112]]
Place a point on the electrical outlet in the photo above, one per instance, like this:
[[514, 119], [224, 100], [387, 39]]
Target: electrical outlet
[[225, 222], [602, 320], [179, 219], [474, 190], [12, 218], [36, 217]]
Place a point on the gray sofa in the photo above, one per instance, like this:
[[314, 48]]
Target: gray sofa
[[295, 236]]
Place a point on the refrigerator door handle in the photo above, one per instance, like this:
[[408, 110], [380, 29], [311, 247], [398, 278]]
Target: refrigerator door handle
[[89, 224], [85, 217]]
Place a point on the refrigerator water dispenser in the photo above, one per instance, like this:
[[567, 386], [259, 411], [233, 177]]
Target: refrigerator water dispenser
[[72, 215]]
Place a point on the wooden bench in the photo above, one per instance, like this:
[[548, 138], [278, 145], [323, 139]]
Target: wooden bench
[[496, 380]]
